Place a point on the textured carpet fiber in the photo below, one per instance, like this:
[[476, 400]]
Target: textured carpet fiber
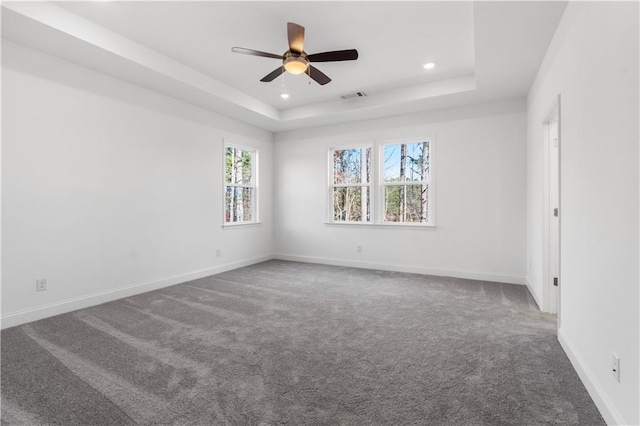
[[293, 343]]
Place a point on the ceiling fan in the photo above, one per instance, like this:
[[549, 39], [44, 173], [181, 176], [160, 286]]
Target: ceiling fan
[[296, 60]]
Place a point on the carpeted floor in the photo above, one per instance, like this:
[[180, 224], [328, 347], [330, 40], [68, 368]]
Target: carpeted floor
[[294, 343]]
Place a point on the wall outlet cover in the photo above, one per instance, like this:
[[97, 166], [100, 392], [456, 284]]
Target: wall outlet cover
[[41, 284]]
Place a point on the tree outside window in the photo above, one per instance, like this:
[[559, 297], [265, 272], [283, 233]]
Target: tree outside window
[[406, 182], [240, 187], [350, 184]]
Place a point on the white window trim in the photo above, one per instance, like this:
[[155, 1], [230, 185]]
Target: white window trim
[[254, 186], [376, 186]]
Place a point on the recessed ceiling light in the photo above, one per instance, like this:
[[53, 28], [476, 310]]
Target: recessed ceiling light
[[284, 95], [429, 65]]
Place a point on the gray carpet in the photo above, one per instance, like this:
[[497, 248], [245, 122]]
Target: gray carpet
[[294, 343]]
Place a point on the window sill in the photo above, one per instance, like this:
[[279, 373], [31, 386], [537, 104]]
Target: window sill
[[384, 225], [241, 224]]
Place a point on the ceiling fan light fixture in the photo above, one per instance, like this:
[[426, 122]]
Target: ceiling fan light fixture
[[295, 64], [296, 61]]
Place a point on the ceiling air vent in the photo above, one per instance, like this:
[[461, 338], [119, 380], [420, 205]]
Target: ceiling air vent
[[354, 95]]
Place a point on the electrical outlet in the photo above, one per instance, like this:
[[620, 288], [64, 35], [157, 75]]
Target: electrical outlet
[[615, 367], [358, 249], [218, 253], [41, 284]]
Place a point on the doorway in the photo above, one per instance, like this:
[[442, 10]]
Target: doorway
[[552, 212]]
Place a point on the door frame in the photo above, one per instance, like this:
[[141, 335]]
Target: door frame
[[551, 294]]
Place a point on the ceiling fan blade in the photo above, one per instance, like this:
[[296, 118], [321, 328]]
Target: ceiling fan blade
[[272, 75], [255, 52], [320, 77], [336, 55], [295, 34]]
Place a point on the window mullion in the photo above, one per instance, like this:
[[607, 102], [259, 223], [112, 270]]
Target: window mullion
[[375, 177]]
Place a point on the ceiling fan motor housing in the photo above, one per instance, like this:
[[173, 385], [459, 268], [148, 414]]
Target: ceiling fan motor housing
[[294, 63]]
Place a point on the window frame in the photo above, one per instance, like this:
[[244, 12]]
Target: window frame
[[381, 184], [377, 184], [253, 185], [331, 185]]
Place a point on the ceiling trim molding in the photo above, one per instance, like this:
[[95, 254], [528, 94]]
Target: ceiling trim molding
[[99, 37], [501, 32]]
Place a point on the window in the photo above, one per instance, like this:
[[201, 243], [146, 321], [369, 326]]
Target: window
[[350, 184], [240, 185], [390, 184], [405, 182]]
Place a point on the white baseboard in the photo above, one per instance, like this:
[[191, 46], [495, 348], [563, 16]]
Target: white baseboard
[[603, 403], [509, 279], [33, 314], [533, 294]]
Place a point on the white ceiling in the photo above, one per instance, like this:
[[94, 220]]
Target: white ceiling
[[483, 51], [201, 34]]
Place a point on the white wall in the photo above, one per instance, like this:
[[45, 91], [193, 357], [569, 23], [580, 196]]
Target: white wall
[[109, 189], [479, 176], [593, 64]]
